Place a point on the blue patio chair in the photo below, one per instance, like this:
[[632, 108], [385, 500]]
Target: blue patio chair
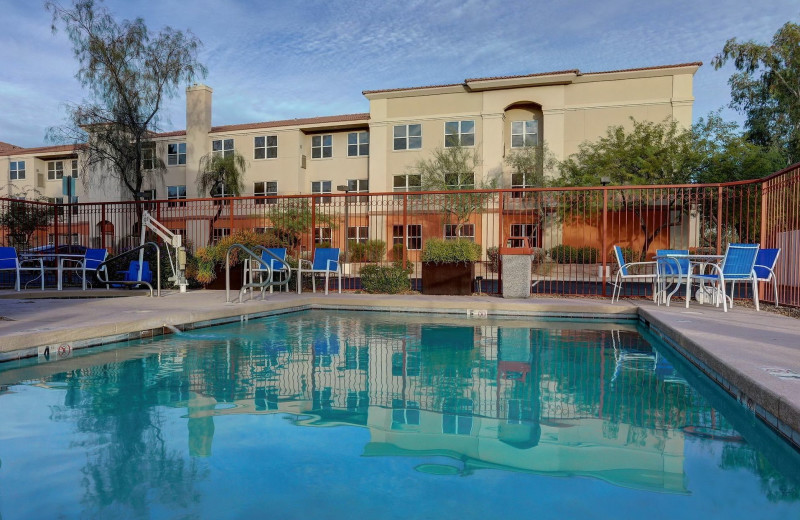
[[9, 261], [132, 274], [325, 262], [766, 260], [275, 265], [671, 270], [736, 266], [624, 273], [85, 266]]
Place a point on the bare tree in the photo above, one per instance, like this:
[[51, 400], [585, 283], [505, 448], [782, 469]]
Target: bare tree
[[129, 72]]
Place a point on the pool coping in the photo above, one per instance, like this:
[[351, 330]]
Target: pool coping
[[740, 373]]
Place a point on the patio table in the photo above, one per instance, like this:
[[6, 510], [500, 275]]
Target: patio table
[[694, 259], [59, 267]]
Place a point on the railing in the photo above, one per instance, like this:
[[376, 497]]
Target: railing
[[113, 259], [251, 285], [572, 230]]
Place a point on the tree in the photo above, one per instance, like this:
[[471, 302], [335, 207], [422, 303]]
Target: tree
[[766, 88], [22, 218], [453, 168], [292, 217], [531, 165], [129, 73], [221, 174]]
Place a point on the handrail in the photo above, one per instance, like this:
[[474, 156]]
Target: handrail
[[133, 282], [282, 261], [228, 271]]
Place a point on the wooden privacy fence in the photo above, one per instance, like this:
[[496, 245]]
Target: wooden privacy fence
[[571, 230]]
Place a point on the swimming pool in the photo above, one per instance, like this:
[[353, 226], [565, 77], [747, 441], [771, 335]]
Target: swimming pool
[[323, 414]]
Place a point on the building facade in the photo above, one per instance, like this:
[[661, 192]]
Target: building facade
[[376, 151]]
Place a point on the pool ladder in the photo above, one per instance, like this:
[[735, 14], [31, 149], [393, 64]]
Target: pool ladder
[[253, 257]]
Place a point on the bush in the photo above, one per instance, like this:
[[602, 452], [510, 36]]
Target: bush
[[369, 251], [493, 256], [385, 279], [213, 255], [564, 254], [440, 251]]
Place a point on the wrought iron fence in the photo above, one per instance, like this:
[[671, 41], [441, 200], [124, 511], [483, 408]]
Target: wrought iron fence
[[570, 230]]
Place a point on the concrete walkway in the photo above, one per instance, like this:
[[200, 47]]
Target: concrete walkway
[[754, 356]]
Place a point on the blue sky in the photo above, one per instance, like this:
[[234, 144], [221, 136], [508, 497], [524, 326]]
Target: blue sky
[[274, 60]]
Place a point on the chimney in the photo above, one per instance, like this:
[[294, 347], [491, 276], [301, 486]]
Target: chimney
[[198, 126]]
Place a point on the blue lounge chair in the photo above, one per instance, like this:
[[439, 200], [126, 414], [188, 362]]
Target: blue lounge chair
[[9, 261], [132, 274], [86, 266], [624, 273], [326, 262], [672, 267], [736, 266], [766, 261], [275, 265]]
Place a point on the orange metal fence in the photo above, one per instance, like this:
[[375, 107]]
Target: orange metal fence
[[571, 230]]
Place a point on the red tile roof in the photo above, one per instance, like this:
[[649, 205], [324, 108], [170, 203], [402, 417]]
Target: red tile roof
[[293, 122], [42, 149], [8, 146]]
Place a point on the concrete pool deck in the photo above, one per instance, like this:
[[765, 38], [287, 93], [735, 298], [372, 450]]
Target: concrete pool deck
[[754, 356]]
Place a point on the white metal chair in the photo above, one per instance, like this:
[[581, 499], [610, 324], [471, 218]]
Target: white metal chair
[[276, 266], [737, 266], [671, 270], [9, 261], [624, 273], [326, 261], [766, 260], [85, 266]]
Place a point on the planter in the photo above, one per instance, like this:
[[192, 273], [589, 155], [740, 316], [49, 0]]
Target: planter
[[237, 278], [448, 278]]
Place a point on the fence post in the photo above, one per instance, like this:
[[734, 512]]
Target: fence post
[[103, 225], [56, 209], [501, 210], [405, 227], [604, 240], [719, 219], [313, 226]]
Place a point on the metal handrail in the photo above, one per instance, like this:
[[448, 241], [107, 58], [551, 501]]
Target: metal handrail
[[106, 282], [279, 259]]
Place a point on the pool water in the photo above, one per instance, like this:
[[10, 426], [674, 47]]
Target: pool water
[[371, 415]]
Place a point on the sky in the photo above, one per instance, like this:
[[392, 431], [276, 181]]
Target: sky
[[274, 60]]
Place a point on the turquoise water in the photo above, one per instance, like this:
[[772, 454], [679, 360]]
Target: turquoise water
[[371, 415]]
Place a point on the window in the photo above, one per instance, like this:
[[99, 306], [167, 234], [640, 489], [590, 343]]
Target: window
[[266, 147], [408, 137], [318, 187], [149, 195], [148, 158], [176, 193], [176, 154], [467, 231], [223, 147], [321, 146], [55, 170], [220, 191], [218, 234], [459, 181], [459, 132], [524, 133], [322, 235], [357, 144], [457, 416], [358, 234], [404, 412], [413, 237], [407, 183], [75, 168], [16, 170], [358, 186], [524, 235], [265, 189]]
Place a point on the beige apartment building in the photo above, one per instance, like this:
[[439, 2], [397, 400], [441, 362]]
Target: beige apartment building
[[376, 151]]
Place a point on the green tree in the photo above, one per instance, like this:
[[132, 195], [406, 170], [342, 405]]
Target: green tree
[[766, 88], [129, 73], [23, 218], [532, 165], [292, 217], [221, 174], [453, 169]]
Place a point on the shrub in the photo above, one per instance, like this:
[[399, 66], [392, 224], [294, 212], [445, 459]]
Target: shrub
[[564, 254], [213, 255], [440, 251], [493, 256], [385, 279], [369, 251]]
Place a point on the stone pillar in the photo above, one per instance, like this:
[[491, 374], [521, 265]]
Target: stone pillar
[[516, 265]]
